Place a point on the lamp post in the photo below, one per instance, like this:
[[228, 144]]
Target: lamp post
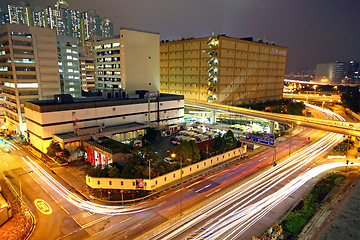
[[292, 125], [149, 160], [173, 155], [20, 183]]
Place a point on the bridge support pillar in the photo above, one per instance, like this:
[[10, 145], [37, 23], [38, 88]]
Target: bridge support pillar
[[272, 126], [213, 117]]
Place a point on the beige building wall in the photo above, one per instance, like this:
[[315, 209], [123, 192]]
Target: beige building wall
[[222, 69], [29, 69], [140, 60]]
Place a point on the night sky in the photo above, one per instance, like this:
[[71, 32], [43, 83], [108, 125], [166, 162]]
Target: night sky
[[314, 31]]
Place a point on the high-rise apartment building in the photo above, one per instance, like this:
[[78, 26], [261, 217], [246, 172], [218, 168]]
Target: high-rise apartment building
[[69, 65], [28, 69], [340, 72], [222, 69], [59, 17], [117, 62]]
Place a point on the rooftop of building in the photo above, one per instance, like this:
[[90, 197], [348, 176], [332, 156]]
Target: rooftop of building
[[109, 145], [105, 131], [249, 39], [65, 102]]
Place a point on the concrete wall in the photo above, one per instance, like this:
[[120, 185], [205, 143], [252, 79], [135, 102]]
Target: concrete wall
[[153, 184], [140, 60]]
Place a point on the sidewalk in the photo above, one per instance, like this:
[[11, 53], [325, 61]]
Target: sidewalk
[[21, 225]]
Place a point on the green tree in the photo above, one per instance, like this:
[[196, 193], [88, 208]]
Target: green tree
[[230, 140], [152, 135], [351, 98], [114, 172], [184, 151], [219, 144], [53, 149], [195, 151], [65, 154]]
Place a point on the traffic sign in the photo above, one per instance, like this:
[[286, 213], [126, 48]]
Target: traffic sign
[[260, 140], [43, 206], [268, 135]]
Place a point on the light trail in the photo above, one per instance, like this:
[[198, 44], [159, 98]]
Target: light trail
[[240, 208], [76, 200], [244, 206]]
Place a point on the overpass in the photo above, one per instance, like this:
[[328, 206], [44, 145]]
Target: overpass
[[319, 97], [347, 128]]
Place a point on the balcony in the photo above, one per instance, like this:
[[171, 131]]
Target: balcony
[[213, 53], [212, 71], [212, 79], [213, 61]]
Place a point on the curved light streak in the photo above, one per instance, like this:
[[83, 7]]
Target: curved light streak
[[76, 200], [247, 204]]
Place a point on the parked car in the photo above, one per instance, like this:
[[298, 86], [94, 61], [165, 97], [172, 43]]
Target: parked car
[[9, 137], [170, 160]]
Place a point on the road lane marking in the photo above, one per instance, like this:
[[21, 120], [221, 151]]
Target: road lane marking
[[44, 189], [95, 221], [64, 210], [203, 188], [136, 226], [54, 199], [213, 192], [112, 226]]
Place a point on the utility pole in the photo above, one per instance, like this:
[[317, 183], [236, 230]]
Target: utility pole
[[292, 125], [274, 163], [149, 169], [21, 195], [181, 173]]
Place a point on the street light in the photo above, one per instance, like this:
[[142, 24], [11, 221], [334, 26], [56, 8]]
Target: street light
[[20, 182], [149, 160], [292, 126], [181, 173]]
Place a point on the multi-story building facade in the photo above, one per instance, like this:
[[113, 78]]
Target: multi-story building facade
[[70, 121], [87, 73], [117, 62], [222, 69], [107, 64], [28, 69], [69, 65]]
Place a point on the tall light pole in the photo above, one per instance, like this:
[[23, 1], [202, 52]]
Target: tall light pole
[[149, 160], [292, 125], [20, 183], [173, 155], [181, 181]]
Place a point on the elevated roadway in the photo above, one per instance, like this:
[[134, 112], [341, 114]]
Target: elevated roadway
[[347, 128], [319, 97]]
